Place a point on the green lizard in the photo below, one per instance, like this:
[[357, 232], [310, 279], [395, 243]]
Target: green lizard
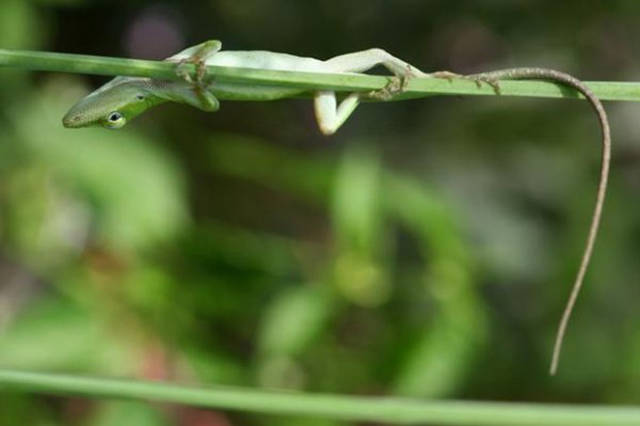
[[123, 98]]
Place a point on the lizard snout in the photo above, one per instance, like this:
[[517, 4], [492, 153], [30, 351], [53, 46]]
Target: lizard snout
[[71, 121]]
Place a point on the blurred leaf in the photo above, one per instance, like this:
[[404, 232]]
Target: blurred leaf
[[214, 367], [150, 289], [297, 421], [439, 355], [47, 226], [19, 409], [437, 360], [291, 322], [20, 27], [54, 335], [356, 202], [137, 188], [293, 319], [361, 279], [251, 158], [359, 270], [128, 413], [248, 249]]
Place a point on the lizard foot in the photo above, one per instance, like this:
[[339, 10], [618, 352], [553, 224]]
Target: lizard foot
[[396, 85], [182, 70], [198, 55], [204, 99], [480, 78], [476, 78]]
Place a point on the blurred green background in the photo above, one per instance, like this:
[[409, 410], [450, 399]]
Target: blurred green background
[[427, 249]]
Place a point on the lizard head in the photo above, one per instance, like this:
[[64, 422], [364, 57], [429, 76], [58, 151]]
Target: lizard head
[[112, 105]]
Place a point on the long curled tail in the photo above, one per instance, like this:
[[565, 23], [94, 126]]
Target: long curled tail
[[493, 78]]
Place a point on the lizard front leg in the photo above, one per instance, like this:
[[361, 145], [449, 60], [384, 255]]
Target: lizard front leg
[[198, 56], [198, 94]]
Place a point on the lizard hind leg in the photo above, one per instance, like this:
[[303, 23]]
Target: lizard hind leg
[[396, 85], [367, 59], [477, 78]]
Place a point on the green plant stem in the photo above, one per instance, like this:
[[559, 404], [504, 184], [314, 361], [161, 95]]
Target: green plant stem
[[417, 87], [393, 410]]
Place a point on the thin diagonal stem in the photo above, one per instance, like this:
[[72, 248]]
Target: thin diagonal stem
[[378, 409], [417, 87]]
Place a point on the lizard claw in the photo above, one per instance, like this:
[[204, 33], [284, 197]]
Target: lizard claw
[[198, 55], [493, 82], [396, 85], [183, 72]]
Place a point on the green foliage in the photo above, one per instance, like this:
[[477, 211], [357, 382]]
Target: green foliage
[[133, 413]]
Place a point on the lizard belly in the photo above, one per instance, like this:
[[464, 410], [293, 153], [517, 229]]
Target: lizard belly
[[241, 92]]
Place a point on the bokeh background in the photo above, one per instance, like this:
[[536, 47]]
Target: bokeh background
[[425, 250]]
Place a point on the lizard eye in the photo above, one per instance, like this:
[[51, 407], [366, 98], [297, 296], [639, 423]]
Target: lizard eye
[[115, 120], [139, 97]]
